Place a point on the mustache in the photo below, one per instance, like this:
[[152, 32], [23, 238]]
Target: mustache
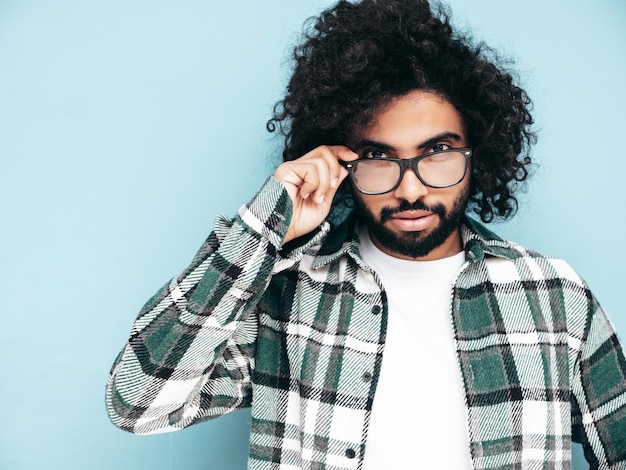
[[387, 212]]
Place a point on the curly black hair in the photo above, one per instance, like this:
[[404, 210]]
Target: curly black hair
[[357, 57]]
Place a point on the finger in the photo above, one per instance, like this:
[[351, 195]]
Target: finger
[[311, 179], [323, 178], [342, 154], [318, 172], [307, 177], [299, 176], [329, 171], [345, 153]]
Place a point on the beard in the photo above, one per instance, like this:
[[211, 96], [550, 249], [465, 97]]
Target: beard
[[414, 244]]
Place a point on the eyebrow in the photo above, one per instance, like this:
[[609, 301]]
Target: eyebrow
[[431, 141]]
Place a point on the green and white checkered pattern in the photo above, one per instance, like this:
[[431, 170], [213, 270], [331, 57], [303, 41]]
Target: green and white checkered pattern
[[300, 335]]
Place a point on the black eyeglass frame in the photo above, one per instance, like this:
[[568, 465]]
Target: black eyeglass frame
[[405, 164]]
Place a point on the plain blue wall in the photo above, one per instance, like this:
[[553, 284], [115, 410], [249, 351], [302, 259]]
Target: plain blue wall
[[126, 126]]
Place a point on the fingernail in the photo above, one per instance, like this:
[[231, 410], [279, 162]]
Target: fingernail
[[335, 182]]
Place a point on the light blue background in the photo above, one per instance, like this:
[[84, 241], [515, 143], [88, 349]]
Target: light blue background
[[126, 126]]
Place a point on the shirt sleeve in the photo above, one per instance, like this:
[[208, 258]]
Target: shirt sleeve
[[599, 393], [191, 350]]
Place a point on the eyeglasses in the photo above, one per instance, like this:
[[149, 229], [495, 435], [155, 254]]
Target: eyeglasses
[[440, 169]]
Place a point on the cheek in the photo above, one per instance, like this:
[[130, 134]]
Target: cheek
[[374, 204], [463, 188]]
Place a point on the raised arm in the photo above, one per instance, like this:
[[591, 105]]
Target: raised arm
[[191, 349], [190, 354]]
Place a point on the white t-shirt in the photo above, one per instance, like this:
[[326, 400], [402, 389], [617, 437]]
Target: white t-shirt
[[418, 415]]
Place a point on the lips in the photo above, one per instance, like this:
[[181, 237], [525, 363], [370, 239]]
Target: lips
[[413, 214], [413, 221]]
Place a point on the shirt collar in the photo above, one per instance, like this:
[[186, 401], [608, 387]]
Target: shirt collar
[[479, 242]]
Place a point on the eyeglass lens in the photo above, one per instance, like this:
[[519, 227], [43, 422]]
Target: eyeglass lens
[[437, 170]]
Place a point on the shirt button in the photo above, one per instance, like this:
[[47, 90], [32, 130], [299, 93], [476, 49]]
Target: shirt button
[[350, 453], [366, 377], [376, 309]]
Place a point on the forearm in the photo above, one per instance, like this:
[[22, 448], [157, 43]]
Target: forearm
[[190, 352]]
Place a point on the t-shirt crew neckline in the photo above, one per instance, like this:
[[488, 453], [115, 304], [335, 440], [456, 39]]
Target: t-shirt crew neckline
[[377, 256]]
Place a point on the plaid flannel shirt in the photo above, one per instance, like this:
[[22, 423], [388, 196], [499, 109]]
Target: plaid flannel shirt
[[299, 335]]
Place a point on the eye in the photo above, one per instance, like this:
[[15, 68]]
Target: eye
[[439, 147], [373, 153]]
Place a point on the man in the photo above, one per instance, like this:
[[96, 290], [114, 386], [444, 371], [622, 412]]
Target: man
[[353, 304]]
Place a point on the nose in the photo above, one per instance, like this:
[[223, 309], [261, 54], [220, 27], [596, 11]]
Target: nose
[[410, 188]]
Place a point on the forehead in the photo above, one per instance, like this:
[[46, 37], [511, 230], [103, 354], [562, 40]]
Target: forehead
[[414, 118]]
